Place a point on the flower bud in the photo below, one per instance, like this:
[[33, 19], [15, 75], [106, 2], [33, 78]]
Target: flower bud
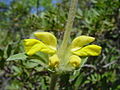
[[54, 61], [75, 61]]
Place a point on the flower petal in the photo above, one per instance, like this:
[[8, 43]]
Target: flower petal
[[47, 38], [28, 43], [75, 61], [80, 41], [33, 45], [90, 50], [54, 61]]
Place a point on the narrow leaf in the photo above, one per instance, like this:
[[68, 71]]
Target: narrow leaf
[[20, 56]]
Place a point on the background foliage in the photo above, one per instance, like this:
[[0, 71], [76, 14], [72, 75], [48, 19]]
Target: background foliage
[[98, 18]]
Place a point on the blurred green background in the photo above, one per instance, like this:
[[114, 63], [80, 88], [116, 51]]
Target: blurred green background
[[97, 18]]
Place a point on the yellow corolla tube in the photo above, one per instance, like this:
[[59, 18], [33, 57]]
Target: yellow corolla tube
[[47, 38], [54, 61], [75, 61], [90, 50]]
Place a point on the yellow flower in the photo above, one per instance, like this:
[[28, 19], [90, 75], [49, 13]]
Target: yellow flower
[[78, 49], [90, 50], [47, 43]]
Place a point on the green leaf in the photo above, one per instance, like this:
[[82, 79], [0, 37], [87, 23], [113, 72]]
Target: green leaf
[[78, 81], [39, 62], [39, 69], [9, 49], [20, 56], [42, 56], [17, 70], [33, 63], [30, 64]]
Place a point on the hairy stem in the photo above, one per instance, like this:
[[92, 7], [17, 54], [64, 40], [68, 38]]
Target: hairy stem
[[68, 28]]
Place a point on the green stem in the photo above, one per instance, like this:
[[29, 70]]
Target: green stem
[[53, 81], [68, 28]]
